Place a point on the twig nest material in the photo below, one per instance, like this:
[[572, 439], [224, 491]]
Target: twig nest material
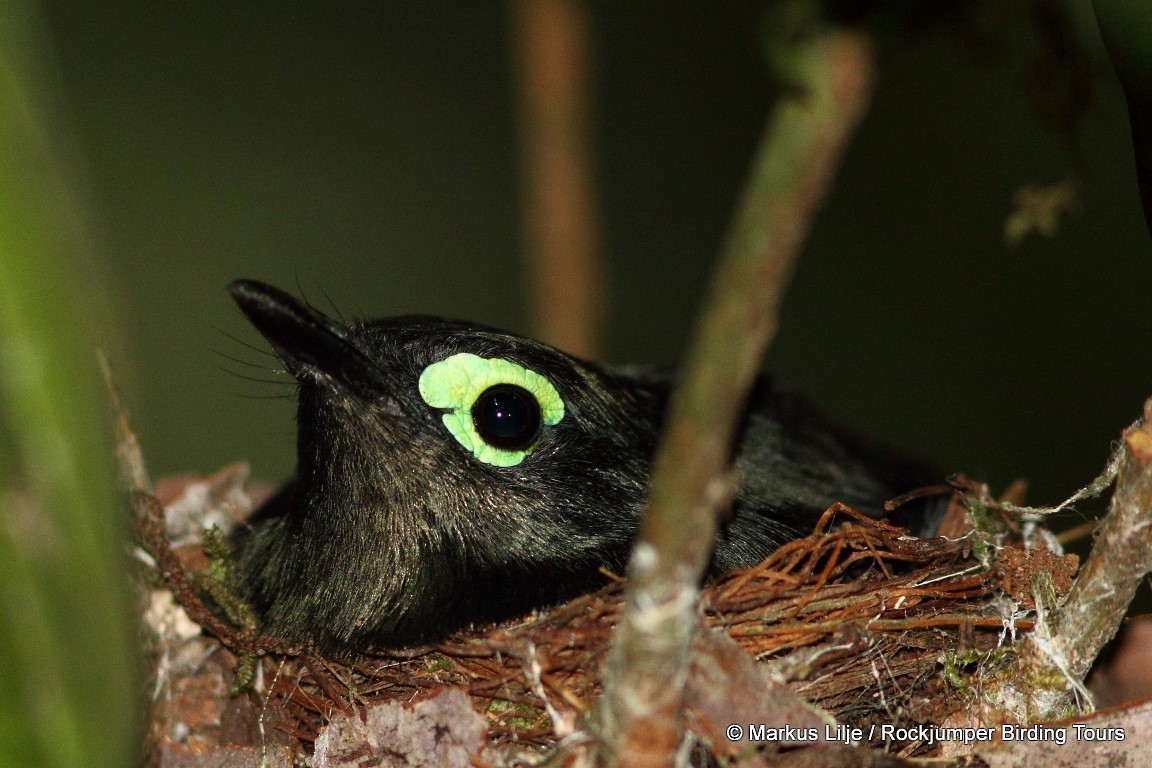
[[858, 624]]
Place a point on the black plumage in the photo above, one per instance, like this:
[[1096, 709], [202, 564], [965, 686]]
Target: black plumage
[[393, 532]]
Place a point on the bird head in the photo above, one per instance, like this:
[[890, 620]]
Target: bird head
[[446, 471]]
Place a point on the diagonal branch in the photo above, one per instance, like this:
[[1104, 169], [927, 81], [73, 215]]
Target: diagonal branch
[[1045, 680], [828, 75], [1121, 556]]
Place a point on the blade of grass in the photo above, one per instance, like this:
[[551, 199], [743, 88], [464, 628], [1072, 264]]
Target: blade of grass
[[66, 651]]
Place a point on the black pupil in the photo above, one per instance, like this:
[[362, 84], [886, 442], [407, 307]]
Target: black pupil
[[507, 416]]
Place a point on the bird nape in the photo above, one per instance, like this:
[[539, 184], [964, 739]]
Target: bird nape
[[449, 474]]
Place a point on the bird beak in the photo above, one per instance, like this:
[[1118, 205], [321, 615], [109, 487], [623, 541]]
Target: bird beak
[[306, 339]]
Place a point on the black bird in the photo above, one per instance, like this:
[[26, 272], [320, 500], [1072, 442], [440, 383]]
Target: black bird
[[450, 473]]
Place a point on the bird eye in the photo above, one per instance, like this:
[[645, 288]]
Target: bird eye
[[507, 417], [496, 409]]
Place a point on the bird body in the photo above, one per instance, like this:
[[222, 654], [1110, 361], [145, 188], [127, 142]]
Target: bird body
[[450, 473]]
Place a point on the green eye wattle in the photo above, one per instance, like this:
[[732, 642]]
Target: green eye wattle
[[496, 407]]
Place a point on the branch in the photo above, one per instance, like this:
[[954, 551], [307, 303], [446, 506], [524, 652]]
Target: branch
[[1044, 681], [1121, 557], [829, 73], [562, 248], [148, 528]]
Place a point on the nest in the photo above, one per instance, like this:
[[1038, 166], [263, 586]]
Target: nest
[[859, 618]]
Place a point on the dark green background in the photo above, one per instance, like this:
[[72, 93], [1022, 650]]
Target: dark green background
[[370, 154]]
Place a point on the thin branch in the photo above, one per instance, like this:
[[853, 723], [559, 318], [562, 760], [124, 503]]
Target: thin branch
[[129, 458], [148, 527], [1045, 680], [1121, 557], [829, 81], [561, 227]]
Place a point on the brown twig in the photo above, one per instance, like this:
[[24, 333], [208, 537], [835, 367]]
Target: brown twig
[[148, 518], [561, 228], [149, 528], [149, 531], [829, 72]]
